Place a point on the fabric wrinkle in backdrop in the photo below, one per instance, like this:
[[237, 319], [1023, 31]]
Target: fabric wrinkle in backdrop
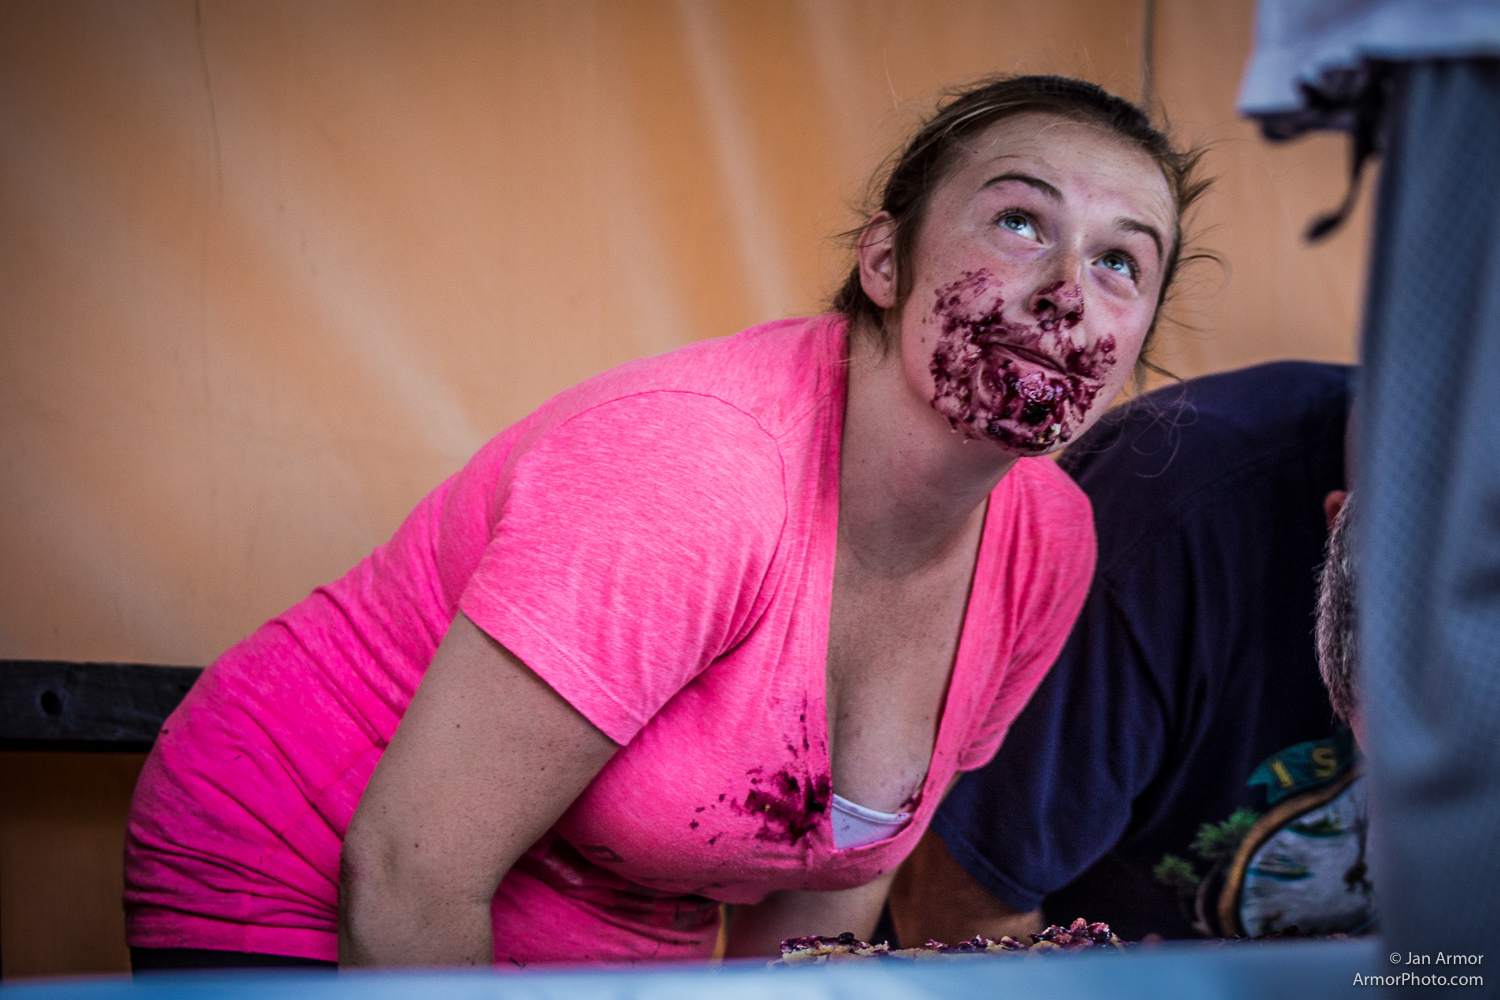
[[272, 271]]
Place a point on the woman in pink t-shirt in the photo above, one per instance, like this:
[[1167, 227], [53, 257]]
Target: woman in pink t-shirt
[[715, 627]]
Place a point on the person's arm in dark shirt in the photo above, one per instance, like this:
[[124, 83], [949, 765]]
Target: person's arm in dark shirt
[[933, 898]]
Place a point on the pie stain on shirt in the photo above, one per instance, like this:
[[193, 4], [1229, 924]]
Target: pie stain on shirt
[[787, 807]]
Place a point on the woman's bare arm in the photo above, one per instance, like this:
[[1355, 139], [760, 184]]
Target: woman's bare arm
[[759, 930], [485, 760], [933, 898]]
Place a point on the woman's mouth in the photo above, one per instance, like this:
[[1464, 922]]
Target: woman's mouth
[[1030, 356], [994, 380]]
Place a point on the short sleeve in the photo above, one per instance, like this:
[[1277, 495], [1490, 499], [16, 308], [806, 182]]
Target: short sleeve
[[631, 549], [1059, 793]]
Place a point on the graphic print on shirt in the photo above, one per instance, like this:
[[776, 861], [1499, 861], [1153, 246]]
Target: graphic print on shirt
[[1301, 864]]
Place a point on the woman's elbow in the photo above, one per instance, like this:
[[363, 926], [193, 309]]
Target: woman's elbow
[[366, 869], [401, 904]]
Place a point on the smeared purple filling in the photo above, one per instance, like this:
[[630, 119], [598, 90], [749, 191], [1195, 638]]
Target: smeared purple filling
[[1079, 934], [788, 808], [847, 939], [1027, 386], [976, 943]]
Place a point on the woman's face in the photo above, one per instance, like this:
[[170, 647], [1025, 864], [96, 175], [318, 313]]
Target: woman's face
[[1035, 275]]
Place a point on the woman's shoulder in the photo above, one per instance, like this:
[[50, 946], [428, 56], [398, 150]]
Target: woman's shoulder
[[1040, 484], [774, 373], [734, 402], [1049, 519]]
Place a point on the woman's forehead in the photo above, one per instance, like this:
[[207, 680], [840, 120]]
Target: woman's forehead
[[1066, 149]]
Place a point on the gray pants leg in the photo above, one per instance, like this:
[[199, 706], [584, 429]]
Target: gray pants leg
[[1428, 468]]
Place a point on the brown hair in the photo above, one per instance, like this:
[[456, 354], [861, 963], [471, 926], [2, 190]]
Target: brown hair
[[911, 178]]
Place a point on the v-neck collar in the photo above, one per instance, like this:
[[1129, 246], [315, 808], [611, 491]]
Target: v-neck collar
[[824, 551]]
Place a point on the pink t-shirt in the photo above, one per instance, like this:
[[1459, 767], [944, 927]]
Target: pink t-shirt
[[658, 545]]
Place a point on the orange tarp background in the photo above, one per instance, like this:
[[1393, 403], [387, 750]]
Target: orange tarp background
[[269, 272]]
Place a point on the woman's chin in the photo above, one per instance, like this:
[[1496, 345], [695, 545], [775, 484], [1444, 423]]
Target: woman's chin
[[1009, 425], [1011, 436]]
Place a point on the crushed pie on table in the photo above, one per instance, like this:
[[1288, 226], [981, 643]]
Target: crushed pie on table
[[1078, 935]]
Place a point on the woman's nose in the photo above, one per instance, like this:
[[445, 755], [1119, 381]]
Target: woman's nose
[[1057, 305]]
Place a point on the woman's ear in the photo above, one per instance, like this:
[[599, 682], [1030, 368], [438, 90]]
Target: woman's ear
[[877, 259]]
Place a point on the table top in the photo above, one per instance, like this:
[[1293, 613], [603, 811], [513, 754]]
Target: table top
[[1231, 972]]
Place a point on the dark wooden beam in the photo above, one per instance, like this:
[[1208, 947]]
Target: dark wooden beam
[[56, 705]]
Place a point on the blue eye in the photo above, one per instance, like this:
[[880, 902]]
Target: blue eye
[[1018, 223], [1119, 263]]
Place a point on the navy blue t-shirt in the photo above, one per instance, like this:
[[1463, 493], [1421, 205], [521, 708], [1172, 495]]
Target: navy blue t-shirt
[[1192, 662]]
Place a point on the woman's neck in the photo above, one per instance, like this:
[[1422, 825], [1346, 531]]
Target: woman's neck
[[910, 487]]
